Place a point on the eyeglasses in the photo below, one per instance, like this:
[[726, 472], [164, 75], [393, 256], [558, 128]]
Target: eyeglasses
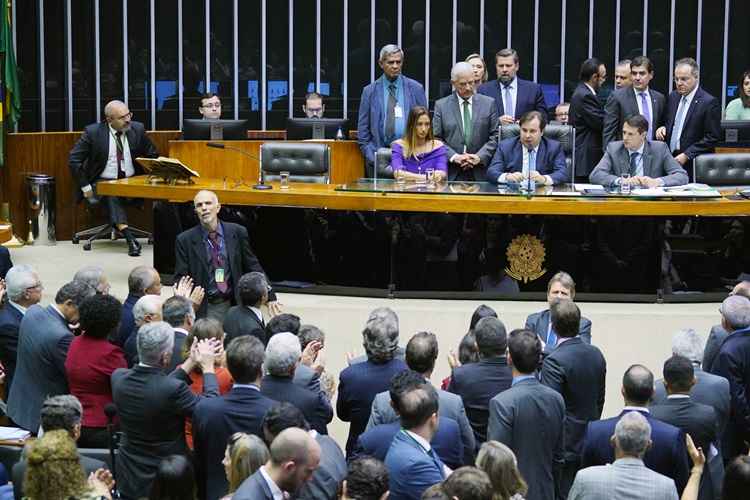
[[38, 285], [125, 116], [211, 105]]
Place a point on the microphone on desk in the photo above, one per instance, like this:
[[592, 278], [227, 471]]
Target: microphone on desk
[[110, 410], [218, 145]]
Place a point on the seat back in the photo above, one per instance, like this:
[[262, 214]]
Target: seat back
[[731, 169], [383, 163], [305, 161], [564, 134]]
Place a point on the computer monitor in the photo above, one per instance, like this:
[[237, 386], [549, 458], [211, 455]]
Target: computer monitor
[[214, 130], [315, 128], [735, 132]]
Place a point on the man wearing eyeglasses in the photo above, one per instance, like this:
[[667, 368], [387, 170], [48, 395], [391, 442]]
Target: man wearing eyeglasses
[[210, 108], [106, 151]]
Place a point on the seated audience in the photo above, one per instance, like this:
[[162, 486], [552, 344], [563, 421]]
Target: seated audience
[[295, 456], [313, 107], [242, 409], [90, 362], [283, 355], [178, 312], [43, 342], [627, 477], [210, 108], [245, 453], [737, 479], [528, 418], [246, 318], [142, 280], [468, 483], [360, 382], [418, 151], [174, 479], [479, 382], [500, 464], [739, 108], [94, 277], [480, 69], [147, 309], [366, 479]]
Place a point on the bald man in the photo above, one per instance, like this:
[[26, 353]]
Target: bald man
[[215, 254], [106, 151]]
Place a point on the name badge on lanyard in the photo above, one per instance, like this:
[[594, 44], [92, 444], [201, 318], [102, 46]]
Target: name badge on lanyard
[[398, 112], [219, 275]]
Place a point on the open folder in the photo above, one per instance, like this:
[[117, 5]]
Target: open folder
[[169, 170]]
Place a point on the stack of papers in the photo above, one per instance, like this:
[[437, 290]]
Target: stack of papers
[[13, 434], [681, 193]]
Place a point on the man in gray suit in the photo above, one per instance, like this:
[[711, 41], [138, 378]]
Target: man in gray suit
[[43, 342], [467, 123], [627, 478], [294, 457], [718, 332], [528, 418], [421, 354], [650, 164]]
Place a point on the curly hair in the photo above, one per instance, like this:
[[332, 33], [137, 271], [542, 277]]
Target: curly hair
[[54, 470]]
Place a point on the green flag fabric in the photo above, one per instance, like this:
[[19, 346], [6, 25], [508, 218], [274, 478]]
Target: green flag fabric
[[10, 99]]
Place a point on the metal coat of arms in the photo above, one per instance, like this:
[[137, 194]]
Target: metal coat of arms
[[525, 258]]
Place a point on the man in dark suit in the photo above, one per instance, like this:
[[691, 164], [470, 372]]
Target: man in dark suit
[[295, 455], [178, 312], [246, 318], [667, 455], [5, 262], [152, 405], [528, 418], [385, 104], [717, 334], [43, 342], [240, 410], [692, 122], [413, 465], [587, 116], [142, 280], [698, 420], [467, 124], [530, 155], [513, 96], [648, 162], [577, 371], [108, 150], [560, 286], [479, 382], [23, 289], [639, 99], [215, 255], [282, 358]]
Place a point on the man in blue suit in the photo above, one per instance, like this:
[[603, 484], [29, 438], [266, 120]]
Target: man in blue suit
[[513, 96], [385, 104], [240, 410], [413, 465], [529, 155], [667, 455]]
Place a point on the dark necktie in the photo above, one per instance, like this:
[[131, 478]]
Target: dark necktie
[[467, 122], [120, 155], [390, 117], [633, 162], [217, 261], [508, 101]]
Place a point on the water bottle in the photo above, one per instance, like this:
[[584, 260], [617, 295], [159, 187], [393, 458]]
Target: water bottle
[[339, 134]]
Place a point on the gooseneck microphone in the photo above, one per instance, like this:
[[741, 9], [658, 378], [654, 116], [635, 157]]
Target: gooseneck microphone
[[218, 145]]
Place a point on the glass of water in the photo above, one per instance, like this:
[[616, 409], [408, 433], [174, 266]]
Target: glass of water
[[625, 183], [284, 179], [430, 176]]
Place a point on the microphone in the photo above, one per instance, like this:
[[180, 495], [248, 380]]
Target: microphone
[[219, 145], [110, 410]]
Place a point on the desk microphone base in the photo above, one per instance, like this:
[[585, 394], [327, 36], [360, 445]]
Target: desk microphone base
[[262, 187]]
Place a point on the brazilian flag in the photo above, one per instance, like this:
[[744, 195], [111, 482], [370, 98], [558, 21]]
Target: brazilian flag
[[10, 99]]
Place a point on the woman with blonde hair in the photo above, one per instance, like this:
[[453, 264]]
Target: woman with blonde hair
[[499, 462], [244, 455], [480, 69], [418, 151]]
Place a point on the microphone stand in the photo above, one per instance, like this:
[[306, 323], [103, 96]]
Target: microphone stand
[[110, 411], [218, 145]]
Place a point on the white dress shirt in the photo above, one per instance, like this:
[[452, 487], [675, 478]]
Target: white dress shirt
[[685, 101], [110, 168], [19, 307], [258, 313], [590, 88], [275, 490], [525, 165]]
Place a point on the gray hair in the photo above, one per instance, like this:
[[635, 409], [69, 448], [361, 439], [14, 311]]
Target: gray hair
[[109, 107], [310, 333], [154, 340], [380, 336], [736, 311], [282, 354], [624, 62], [688, 343], [688, 61], [91, 275], [461, 68], [19, 279], [75, 292], [148, 304], [389, 50], [141, 278], [633, 434], [174, 310], [61, 413]]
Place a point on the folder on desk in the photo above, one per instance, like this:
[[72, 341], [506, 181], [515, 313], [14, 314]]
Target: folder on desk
[[168, 169]]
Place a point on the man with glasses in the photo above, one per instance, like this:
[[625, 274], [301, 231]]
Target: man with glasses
[[210, 108], [106, 151]]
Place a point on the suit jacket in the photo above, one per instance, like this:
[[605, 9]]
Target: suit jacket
[[306, 377], [713, 344], [477, 383], [528, 418], [667, 455], [577, 371], [539, 324], [358, 385], [626, 479], [657, 162], [411, 469], [43, 342], [621, 104], [315, 406], [528, 98], [89, 155], [152, 408], [253, 488], [88, 464], [179, 343], [447, 125], [127, 323], [5, 262], [10, 322], [214, 420], [587, 116], [550, 160], [371, 119], [447, 442], [451, 406], [191, 258], [325, 481], [701, 127], [240, 320]]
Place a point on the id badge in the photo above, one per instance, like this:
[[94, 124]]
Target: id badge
[[219, 275], [398, 112]]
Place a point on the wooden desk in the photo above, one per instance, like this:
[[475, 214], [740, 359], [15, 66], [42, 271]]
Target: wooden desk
[[347, 163]]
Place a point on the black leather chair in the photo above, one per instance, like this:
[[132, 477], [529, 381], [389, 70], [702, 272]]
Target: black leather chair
[[732, 169], [305, 161], [383, 163], [564, 134], [105, 231]]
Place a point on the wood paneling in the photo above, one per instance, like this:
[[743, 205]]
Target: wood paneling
[[724, 150]]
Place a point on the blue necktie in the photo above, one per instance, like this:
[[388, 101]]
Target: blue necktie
[[634, 162], [552, 338], [508, 101], [674, 140]]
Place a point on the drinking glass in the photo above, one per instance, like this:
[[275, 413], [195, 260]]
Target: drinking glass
[[625, 183], [284, 180]]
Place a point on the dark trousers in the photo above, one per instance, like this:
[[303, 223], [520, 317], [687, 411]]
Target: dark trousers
[[115, 207]]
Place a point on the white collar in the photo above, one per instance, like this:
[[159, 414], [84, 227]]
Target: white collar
[[247, 386], [58, 311], [511, 85], [275, 490], [181, 331], [690, 96], [20, 308], [639, 150], [678, 396], [257, 312], [636, 408], [647, 91], [590, 88], [526, 150], [419, 439]]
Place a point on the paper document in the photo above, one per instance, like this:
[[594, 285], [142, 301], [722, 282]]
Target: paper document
[[581, 187], [660, 191], [13, 434]]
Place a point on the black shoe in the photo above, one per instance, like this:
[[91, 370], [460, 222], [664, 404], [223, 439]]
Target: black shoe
[[134, 248]]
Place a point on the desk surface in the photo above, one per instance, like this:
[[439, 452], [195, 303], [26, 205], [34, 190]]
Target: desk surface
[[327, 196]]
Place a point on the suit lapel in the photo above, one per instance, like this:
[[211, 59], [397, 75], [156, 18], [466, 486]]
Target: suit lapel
[[630, 97], [647, 157], [623, 165], [541, 157], [229, 247], [520, 96], [379, 110], [103, 140], [456, 110], [475, 112], [691, 109], [499, 100]]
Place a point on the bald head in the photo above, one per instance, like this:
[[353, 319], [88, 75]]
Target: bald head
[[742, 288], [207, 207], [147, 309], [118, 115], [293, 444], [637, 385]]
